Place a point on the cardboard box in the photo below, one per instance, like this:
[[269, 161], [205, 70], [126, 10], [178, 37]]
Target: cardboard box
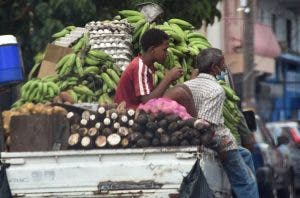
[[53, 54]]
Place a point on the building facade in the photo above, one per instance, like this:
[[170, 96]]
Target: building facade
[[276, 42]]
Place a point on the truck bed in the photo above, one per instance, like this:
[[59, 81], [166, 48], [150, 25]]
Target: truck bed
[[149, 172]]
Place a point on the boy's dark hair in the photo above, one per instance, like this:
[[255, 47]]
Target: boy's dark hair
[[153, 37], [208, 58]]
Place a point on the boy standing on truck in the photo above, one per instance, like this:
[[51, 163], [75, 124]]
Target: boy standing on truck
[[208, 97], [136, 83]]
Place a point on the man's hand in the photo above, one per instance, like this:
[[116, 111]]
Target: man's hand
[[201, 124], [174, 74], [194, 73]]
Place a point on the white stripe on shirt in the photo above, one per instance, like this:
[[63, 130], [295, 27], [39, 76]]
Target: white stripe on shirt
[[140, 76], [146, 80]]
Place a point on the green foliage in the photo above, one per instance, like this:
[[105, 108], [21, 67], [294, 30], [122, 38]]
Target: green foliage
[[34, 21]]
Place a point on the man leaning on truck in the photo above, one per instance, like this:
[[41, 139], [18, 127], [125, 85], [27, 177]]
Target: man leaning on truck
[[208, 98]]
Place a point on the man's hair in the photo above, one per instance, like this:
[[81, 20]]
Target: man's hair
[[153, 37], [208, 58]]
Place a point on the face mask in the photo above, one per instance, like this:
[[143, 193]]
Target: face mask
[[222, 76]]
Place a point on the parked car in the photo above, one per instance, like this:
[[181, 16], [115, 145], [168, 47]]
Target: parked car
[[287, 136], [274, 175]]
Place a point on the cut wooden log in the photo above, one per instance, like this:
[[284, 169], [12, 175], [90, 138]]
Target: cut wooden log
[[100, 141], [114, 139]]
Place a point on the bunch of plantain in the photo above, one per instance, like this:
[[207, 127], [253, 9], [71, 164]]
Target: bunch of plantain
[[231, 112], [185, 43], [38, 91], [88, 76]]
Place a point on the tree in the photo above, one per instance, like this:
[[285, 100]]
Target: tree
[[34, 21]]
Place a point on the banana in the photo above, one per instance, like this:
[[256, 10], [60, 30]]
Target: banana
[[78, 45], [32, 95], [145, 28], [91, 61], [82, 89], [53, 86], [135, 19], [174, 35], [128, 13], [195, 35], [62, 61], [165, 27], [176, 52], [73, 95], [194, 51], [70, 27], [160, 75], [91, 69], [178, 30], [182, 48], [108, 81], [138, 29], [51, 92], [184, 67], [99, 54], [113, 75], [85, 44], [138, 25], [200, 40], [182, 23], [61, 33], [67, 66], [25, 89], [155, 79], [78, 64]]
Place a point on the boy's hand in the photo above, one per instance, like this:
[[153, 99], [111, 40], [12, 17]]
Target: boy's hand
[[174, 74]]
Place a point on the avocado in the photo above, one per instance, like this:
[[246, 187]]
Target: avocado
[[142, 119], [174, 140], [143, 143], [190, 122], [181, 123], [151, 126], [134, 137], [178, 135], [155, 142], [164, 139], [163, 123], [184, 143], [185, 129], [107, 131], [172, 118], [161, 115], [196, 142], [137, 127], [149, 135], [173, 126]]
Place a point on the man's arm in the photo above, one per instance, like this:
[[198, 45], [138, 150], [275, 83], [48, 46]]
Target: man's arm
[[170, 76], [183, 96]]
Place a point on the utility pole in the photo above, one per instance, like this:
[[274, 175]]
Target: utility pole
[[248, 93]]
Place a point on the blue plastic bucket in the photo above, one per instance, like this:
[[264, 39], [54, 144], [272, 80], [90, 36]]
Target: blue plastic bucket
[[11, 64]]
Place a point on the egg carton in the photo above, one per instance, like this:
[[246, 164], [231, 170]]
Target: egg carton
[[110, 40], [95, 34], [70, 38]]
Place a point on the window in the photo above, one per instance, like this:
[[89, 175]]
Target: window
[[273, 23], [288, 33]]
